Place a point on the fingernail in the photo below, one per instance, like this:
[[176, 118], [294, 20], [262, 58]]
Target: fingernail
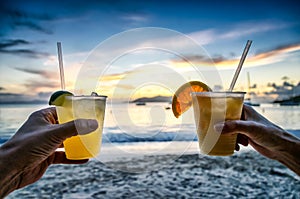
[[92, 124], [219, 127], [85, 126]]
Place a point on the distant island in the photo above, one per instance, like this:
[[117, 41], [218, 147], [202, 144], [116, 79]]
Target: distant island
[[24, 102], [291, 101], [153, 99]]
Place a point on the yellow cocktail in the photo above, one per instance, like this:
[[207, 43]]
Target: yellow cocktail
[[211, 108], [83, 107]]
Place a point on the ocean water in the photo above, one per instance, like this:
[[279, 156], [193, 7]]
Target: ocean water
[[12, 116], [129, 123]]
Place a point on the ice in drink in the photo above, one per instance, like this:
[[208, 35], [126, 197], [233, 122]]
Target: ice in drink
[[211, 108], [83, 107]]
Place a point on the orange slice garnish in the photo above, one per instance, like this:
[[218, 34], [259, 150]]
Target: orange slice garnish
[[182, 99]]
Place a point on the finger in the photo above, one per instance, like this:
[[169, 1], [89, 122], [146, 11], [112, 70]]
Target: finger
[[51, 115], [75, 127], [59, 157], [44, 116], [242, 139], [248, 128], [247, 110], [237, 147], [243, 116]]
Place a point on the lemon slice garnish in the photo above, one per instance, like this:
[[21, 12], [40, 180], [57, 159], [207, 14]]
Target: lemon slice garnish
[[58, 97]]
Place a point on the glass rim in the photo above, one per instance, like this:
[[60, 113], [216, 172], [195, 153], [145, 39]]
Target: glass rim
[[218, 93], [77, 97]]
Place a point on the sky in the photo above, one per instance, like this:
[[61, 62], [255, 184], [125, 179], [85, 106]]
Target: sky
[[129, 49]]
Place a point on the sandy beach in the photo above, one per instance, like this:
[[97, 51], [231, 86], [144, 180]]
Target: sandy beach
[[163, 166], [243, 175]]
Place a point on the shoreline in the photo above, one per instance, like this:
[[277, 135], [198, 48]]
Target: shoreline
[[6, 135], [245, 174]]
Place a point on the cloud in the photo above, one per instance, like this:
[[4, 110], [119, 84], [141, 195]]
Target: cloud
[[17, 14], [236, 31], [204, 36], [25, 52], [262, 58], [11, 94], [44, 95], [284, 91], [177, 42], [33, 26], [112, 77], [35, 85], [32, 15], [23, 16], [13, 97], [12, 46], [13, 18], [135, 19], [278, 50], [125, 86], [43, 83], [43, 73], [46, 82], [250, 28], [200, 59], [12, 43], [275, 55], [24, 98]]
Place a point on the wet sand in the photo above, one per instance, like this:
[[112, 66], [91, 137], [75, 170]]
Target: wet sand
[[243, 175]]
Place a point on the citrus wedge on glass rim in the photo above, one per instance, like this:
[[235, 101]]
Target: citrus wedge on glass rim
[[182, 99], [58, 97]]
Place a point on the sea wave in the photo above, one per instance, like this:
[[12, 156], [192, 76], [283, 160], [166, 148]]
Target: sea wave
[[117, 137], [4, 139], [295, 132], [159, 137]]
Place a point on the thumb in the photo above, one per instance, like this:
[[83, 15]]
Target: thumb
[[75, 127]]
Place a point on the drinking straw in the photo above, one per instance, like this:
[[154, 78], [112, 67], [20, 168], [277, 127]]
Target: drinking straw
[[238, 70], [61, 67]]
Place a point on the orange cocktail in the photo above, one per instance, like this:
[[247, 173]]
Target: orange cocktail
[[211, 108]]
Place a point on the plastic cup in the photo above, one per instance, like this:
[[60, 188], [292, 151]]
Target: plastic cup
[[211, 108], [83, 107]]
